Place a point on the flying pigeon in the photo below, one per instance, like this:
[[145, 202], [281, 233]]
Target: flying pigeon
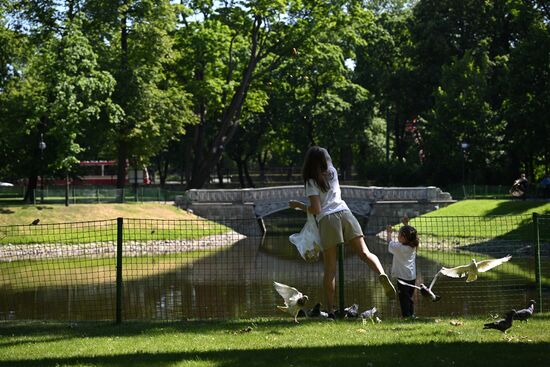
[[473, 269], [527, 312], [425, 291], [35, 222], [369, 314], [294, 299], [502, 324]]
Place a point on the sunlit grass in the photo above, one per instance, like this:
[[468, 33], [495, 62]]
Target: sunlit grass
[[277, 342]]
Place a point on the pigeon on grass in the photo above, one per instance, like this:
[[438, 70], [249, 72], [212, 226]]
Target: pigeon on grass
[[313, 312], [525, 313], [502, 324], [369, 314], [473, 268], [425, 291], [351, 312], [294, 299]]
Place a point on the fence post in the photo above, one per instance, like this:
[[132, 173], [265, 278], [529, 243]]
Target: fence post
[[538, 278], [119, 239], [341, 300]]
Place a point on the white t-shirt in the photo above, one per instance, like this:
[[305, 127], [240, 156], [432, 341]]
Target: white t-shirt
[[331, 200], [404, 261]]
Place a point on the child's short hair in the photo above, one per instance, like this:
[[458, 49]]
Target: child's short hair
[[410, 235]]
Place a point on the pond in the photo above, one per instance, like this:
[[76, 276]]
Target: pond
[[237, 281]]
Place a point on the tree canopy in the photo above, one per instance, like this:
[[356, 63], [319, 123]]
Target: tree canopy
[[400, 92]]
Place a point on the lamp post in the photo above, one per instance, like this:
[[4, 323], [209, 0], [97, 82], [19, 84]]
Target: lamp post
[[41, 146], [464, 146]]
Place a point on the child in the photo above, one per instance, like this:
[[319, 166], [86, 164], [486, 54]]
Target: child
[[404, 264], [336, 222]]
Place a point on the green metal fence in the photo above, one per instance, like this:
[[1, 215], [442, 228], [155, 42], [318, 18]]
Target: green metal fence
[[92, 194], [473, 191], [130, 269], [542, 256]]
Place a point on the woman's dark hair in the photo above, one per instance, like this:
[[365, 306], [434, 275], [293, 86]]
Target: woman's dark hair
[[410, 236], [315, 167]]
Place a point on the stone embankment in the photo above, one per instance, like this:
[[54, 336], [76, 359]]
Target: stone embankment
[[16, 252]]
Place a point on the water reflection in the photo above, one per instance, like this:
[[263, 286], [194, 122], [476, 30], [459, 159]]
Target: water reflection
[[237, 282]]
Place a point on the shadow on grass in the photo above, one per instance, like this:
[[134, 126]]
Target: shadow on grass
[[471, 354], [65, 330], [514, 207]]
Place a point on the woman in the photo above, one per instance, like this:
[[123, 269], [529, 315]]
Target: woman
[[336, 222]]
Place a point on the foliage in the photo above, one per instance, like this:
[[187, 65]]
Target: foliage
[[200, 86]]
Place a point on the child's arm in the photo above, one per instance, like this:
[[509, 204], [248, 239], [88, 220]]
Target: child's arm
[[389, 231]]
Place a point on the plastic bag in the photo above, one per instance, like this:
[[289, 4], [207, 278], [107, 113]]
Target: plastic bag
[[308, 240]]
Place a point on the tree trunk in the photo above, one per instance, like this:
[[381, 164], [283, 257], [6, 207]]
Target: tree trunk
[[262, 158], [30, 191], [230, 118], [122, 156], [240, 171], [246, 173], [219, 171], [122, 149], [346, 157]]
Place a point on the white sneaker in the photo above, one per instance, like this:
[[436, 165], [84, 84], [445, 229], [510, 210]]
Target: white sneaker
[[388, 287]]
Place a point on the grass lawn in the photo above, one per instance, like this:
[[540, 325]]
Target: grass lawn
[[59, 213], [85, 223], [484, 219], [276, 342]]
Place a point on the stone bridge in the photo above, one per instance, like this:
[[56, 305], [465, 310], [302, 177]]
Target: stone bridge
[[365, 202]]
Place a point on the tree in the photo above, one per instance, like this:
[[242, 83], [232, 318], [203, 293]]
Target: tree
[[251, 38], [134, 40]]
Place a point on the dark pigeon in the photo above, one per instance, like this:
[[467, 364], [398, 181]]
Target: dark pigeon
[[315, 311], [502, 324], [312, 312], [525, 313], [35, 222]]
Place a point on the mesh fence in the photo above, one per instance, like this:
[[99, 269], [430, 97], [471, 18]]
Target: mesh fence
[[542, 260], [58, 271], [181, 269]]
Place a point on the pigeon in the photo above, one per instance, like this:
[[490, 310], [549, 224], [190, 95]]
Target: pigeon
[[312, 312], [294, 299], [527, 312], [315, 311], [351, 312], [369, 314], [502, 324], [473, 269], [35, 222], [425, 291]]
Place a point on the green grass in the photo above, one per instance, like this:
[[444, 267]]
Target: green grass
[[276, 342], [485, 208], [484, 219], [59, 213], [84, 223]]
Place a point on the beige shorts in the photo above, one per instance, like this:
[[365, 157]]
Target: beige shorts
[[339, 227]]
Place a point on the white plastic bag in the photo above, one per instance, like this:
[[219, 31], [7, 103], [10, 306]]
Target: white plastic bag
[[308, 240]]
